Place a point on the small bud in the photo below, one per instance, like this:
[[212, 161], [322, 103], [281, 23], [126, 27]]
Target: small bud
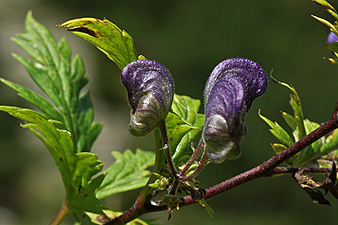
[[150, 93], [229, 92]]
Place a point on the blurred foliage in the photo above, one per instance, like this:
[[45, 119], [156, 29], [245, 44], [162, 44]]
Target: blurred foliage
[[190, 38]]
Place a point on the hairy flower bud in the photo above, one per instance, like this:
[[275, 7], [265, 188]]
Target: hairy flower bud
[[228, 95], [150, 93]]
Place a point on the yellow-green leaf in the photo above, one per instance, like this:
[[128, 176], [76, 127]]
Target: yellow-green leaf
[[117, 44]]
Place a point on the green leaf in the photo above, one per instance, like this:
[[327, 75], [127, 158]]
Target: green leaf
[[36, 99], [127, 173], [332, 46], [110, 214], [278, 131], [118, 45], [325, 4], [60, 79], [278, 148], [76, 169], [333, 13], [309, 127], [183, 125], [331, 143], [290, 120], [327, 23]]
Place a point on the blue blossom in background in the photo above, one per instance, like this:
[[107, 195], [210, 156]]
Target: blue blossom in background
[[332, 38]]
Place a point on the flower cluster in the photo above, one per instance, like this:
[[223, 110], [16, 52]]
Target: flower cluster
[[228, 95]]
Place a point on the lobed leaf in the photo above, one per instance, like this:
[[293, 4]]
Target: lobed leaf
[[60, 79], [127, 173], [76, 169]]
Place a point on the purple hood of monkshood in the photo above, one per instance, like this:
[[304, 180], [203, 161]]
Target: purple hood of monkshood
[[228, 95], [150, 93]]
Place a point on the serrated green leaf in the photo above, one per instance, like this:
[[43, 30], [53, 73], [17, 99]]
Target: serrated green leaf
[[183, 125], [76, 169], [36, 99], [278, 131], [127, 173], [62, 81], [118, 45]]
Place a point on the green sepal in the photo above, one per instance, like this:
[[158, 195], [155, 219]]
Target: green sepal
[[117, 44], [161, 183]]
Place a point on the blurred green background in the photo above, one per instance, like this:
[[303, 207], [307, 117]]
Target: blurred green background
[[189, 38]]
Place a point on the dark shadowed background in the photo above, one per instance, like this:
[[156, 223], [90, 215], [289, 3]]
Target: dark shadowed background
[[189, 38]]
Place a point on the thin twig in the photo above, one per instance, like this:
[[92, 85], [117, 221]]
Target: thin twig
[[192, 159]]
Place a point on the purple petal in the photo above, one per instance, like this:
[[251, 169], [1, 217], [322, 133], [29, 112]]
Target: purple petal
[[224, 124], [248, 72], [332, 38], [150, 93], [228, 95]]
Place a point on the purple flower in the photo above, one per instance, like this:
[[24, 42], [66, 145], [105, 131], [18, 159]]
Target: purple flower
[[228, 94], [150, 93], [332, 37]]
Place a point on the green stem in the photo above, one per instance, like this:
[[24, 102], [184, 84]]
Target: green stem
[[142, 198], [62, 213], [166, 148]]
